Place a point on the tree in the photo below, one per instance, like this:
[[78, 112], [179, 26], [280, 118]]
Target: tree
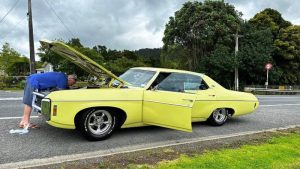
[[256, 48], [199, 28], [269, 19], [20, 67], [286, 42], [150, 56], [288, 54], [174, 56], [120, 61], [12, 63], [220, 65]]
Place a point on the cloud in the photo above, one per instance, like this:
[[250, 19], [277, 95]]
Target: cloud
[[117, 24], [288, 8]]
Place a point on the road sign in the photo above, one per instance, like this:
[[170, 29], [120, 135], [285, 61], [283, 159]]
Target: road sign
[[268, 66]]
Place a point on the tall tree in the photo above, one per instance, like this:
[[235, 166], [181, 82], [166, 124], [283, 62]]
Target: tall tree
[[288, 54], [256, 48], [199, 27], [286, 42], [269, 19]]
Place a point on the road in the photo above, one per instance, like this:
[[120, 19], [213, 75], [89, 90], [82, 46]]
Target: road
[[274, 111]]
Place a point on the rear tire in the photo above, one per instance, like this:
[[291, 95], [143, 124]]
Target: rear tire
[[218, 117], [97, 124]]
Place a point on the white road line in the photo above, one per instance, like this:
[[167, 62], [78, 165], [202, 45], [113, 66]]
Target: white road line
[[271, 105], [12, 98], [130, 149], [9, 118]]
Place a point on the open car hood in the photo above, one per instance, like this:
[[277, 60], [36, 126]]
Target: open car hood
[[79, 59]]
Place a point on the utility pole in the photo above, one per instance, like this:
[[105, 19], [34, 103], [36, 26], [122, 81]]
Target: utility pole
[[31, 42], [236, 69]]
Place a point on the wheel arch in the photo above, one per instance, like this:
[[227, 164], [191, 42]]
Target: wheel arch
[[231, 110], [119, 113], [215, 121]]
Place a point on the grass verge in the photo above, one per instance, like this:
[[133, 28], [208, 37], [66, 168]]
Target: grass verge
[[276, 149], [278, 153]]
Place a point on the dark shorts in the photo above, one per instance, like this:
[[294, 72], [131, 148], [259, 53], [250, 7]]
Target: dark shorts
[[28, 96]]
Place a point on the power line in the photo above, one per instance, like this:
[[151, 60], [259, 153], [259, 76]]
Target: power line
[[59, 18], [14, 5]]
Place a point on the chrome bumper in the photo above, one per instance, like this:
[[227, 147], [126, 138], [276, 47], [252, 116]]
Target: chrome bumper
[[42, 105]]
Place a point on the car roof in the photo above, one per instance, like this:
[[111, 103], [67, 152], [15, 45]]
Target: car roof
[[168, 70]]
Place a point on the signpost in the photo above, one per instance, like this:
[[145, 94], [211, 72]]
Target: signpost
[[268, 67]]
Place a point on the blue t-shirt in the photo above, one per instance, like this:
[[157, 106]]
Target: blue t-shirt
[[48, 80]]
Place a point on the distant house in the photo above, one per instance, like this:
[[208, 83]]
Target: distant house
[[47, 67]]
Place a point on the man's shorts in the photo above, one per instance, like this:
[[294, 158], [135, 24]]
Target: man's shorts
[[28, 96]]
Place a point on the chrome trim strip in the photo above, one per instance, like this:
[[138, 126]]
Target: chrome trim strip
[[230, 100], [181, 105], [121, 100], [91, 100], [46, 100], [39, 94], [36, 107]]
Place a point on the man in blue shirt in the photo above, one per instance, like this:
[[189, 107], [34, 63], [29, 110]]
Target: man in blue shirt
[[43, 81]]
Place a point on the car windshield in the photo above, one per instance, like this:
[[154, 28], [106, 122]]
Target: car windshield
[[136, 77]]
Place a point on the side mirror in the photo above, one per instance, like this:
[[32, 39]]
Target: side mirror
[[153, 88]]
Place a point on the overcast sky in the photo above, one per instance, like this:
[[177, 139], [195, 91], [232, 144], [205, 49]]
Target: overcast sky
[[117, 24]]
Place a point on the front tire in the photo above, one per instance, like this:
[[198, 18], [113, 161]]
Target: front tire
[[218, 117], [97, 124]]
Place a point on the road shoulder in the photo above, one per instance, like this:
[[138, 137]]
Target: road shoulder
[[170, 152]]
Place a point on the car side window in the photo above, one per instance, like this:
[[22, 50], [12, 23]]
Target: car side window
[[203, 85], [180, 82]]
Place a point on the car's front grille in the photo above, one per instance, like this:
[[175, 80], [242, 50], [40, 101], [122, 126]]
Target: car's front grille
[[46, 108], [38, 100]]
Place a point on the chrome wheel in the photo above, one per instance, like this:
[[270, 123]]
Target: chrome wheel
[[99, 122], [220, 115]]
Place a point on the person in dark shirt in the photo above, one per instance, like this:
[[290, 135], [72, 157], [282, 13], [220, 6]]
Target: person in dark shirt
[[43, 81]]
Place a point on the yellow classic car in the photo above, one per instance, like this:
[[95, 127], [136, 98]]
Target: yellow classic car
[[140, 96]]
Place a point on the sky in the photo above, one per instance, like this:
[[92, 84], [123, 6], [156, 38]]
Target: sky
[[117, 24]]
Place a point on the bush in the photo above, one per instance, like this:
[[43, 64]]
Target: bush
[[21, 84], [12, 82], [2, 85]]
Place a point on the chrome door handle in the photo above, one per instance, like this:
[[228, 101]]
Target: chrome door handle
[[190, 100]]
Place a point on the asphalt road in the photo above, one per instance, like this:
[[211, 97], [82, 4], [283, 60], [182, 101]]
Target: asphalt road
[[274, 111]]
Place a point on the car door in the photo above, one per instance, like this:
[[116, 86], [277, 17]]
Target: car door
[[205, 102], [169, 101]]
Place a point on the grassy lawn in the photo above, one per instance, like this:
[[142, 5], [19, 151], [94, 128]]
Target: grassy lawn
[[278, 152]]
